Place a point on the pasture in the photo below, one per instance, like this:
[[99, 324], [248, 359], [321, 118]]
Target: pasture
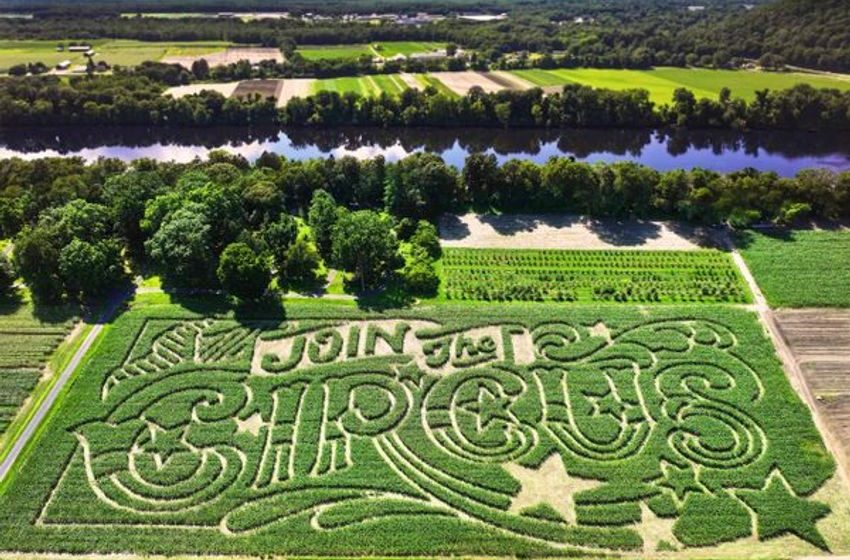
[[662, 82], [802, 268], [466, 430], [501, 275], [120, 52]]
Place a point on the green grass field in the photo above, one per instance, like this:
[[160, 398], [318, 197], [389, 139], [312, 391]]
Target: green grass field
[[464, 430], [662, 82], [591, 276], [122, 52], [386, 49], [427, 80], [800, 268]]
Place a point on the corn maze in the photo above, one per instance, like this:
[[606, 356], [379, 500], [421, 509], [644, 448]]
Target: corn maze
[[463, 431], [592, 276]]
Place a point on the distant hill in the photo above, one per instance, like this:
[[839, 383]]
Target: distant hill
[[811, 33]]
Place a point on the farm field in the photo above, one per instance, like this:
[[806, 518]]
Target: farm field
[[362, 85], [27, 343], [121, 52], [386, 49], [662, 82], [802, 268], [440, 431], [591, 276], [820, 342]]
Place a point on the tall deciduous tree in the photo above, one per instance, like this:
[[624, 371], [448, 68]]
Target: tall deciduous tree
[[242, 272], [364, 243]]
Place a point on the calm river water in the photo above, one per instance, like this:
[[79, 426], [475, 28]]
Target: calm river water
[[782, 152]]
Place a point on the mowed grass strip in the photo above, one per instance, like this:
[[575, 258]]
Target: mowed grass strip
[[370, 86], [706, 276], [800, 268], [662, 82]]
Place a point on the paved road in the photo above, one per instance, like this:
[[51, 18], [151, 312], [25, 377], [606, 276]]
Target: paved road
[[48, 401]]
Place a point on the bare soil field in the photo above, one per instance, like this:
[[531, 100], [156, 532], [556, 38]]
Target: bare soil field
[[231, 55], [509, 81], [558, 231], [290, 89], [462, 82], [263, 88], [820, 342], [226, 89]]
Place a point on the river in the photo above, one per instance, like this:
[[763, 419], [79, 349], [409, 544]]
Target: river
[[782, 152]]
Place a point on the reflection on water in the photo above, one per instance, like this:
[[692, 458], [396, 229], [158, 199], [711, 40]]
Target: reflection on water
[[782, 152]]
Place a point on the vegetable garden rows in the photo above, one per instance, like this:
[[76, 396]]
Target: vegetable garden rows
[[26, 344], [425, 432], [622, 276]]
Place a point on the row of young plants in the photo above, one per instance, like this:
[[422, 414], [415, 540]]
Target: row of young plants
[[682, 409], [621, 276]]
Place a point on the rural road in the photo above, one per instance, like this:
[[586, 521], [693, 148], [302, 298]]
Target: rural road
[[31, 427], [792, 365]]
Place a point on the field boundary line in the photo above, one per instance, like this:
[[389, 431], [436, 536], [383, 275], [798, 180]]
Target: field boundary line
[[792, 366], [47, 402]]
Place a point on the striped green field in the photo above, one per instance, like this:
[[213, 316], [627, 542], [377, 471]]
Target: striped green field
[[662, 82], [334, 52], [362, 85], [427, 80]]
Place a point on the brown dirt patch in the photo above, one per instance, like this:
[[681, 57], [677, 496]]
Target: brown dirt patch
[[462, 82], [293, 88], [226, 89], [263, 88], [559, 231]]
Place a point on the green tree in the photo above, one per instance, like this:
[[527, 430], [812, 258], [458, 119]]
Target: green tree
[[322, 217], [279, 237], [181, 248], [426, 238], [419, 276], [301, 263], [364, 243], [242, 272], [7, 274], [90, 269]]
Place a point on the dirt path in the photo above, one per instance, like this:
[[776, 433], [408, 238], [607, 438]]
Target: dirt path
[[47, 403], [792, 367]]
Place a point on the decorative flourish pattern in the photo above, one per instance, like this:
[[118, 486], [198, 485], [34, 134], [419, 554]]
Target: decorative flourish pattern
[[241, 428]]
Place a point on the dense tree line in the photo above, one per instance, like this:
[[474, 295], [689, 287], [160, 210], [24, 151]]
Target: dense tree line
[[137, 100], [227, 222], [598, 33]]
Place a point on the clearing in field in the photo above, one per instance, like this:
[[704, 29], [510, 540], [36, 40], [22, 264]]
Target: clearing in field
[[802, 268], [564, 231], [430, 432], [662, 82], [591, 276]]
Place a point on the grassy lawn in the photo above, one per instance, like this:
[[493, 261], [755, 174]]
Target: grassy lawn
[[320, 429], [330, 52], [800, 268], [591, 276], [386, 49], [662, 82], [407, 48], [123, 52]]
